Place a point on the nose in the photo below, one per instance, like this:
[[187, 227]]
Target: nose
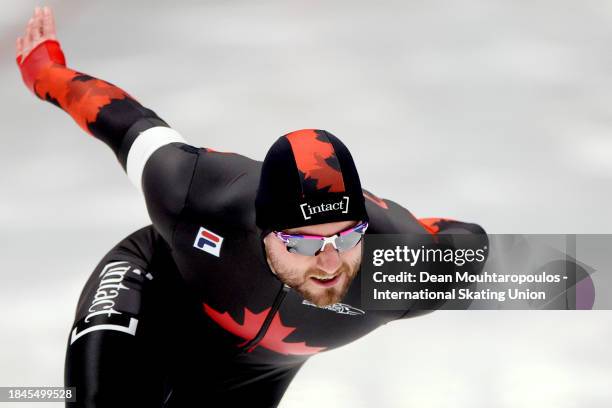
[[328, 260]]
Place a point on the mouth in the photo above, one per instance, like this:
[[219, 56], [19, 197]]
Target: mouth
[[326, 282]]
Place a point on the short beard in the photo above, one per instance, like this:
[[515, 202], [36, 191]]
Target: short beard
[[328, 296]]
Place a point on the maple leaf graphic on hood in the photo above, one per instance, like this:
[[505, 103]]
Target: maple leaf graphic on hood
[[274, 337], [316, 160]]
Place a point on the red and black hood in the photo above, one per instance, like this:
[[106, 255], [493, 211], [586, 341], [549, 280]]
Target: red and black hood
[[308, 177]]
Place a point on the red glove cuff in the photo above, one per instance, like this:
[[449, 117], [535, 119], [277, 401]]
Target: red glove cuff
[[42, 56]]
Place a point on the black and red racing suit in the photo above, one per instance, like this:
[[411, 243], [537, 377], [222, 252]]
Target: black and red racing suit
[[186, 312]]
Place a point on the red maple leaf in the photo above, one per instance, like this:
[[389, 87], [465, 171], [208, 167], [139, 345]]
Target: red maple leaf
[[311, 155], [81, 99], [379, 202], [432, 225], [274, 337]]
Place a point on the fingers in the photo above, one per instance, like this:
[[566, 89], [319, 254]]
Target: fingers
[[19, 47], [48, 23], [40, 27], [27, 38], [37, 25]]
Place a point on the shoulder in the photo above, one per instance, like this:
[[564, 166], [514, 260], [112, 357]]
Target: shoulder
[[388, 217], [223, 187]]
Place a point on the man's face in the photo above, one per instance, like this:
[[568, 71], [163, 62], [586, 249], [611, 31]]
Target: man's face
[[302, 272]]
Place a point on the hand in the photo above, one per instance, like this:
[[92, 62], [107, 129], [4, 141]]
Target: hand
[[40, 28]]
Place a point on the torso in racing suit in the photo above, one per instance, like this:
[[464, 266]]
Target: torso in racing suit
[[248, 326]]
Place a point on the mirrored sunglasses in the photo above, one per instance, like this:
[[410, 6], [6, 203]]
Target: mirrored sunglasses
[[313, 244]]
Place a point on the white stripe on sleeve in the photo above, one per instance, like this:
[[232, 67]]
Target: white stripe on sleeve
[[144, 146]]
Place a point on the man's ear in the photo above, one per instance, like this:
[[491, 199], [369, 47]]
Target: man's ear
[[267, 238], [270, 265]]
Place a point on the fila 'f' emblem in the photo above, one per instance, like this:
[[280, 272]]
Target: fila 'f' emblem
[[208, 241]]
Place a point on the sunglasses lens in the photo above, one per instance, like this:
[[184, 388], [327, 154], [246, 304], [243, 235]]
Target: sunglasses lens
[[307, 247], [348, 241]]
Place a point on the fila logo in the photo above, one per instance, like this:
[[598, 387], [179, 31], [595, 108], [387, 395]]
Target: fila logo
[[208, 241], [309, 210]]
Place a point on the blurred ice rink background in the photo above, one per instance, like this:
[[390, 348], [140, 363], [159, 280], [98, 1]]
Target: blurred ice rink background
[[495, 112]]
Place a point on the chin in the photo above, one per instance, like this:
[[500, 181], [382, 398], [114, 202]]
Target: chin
[[320, 302], [323, 298]]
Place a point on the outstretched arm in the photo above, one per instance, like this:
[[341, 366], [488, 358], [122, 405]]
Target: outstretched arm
[[388, 217], [98, 107], [155, 156]]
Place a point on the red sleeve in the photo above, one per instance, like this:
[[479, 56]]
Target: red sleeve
[[102, 109]]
